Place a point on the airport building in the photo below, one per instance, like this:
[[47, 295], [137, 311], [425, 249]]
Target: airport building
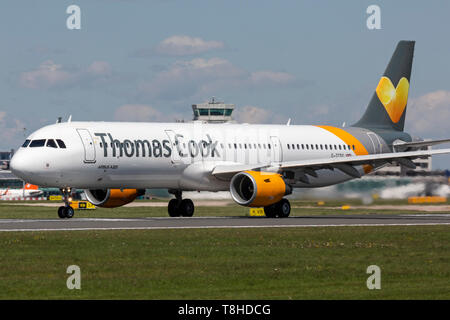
[[8, 180], [213, 111], [5, 157]]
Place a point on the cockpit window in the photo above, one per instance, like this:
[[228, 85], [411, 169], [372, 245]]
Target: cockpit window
[[61, 143], [51, 143], [37, 143], [26, 143]]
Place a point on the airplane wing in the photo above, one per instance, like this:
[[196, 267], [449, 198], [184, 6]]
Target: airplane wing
[[345, 164]]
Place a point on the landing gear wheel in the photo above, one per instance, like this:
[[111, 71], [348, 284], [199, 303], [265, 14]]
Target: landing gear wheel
[[281, 209], [270, 211], [173, 208], [179, 207], [284, 208], [69, 212], [61, 212], [66, 212], [187, 208]]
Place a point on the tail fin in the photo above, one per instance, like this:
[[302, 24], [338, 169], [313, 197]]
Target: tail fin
[[29, 186], [387, 109]]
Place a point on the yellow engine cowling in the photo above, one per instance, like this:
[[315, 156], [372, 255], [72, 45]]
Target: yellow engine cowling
[[258, 189], [112, 198]]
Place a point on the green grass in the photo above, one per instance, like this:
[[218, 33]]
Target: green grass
[[267, 263]]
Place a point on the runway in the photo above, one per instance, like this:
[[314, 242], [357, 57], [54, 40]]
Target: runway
[[220, 222]]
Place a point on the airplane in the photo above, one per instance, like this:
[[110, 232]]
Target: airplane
[[114, 162], [28, 190]]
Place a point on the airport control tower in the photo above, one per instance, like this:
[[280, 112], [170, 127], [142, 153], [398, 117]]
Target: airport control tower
[[213, 111]]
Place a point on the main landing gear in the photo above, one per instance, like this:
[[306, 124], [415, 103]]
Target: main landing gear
[[180, 207], [66, 211], [281, 209]]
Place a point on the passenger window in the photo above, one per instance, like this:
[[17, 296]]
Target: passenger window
[[51, 143], [61, 143], [37, 143], [289, 147], [26, 143]]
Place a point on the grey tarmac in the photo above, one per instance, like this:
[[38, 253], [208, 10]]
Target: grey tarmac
[[220, 222]]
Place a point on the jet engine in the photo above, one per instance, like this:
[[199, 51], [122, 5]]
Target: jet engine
[[112, 198], [258, 189]]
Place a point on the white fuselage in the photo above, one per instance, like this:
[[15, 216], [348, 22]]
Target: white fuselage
[[170, 155]]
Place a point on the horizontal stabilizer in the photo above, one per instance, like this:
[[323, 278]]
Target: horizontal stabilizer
[[401, 146]]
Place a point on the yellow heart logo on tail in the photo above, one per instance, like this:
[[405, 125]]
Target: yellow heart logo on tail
[[393, 99]]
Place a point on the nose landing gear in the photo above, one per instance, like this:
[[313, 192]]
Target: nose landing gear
[[66, 211], [180, 207]]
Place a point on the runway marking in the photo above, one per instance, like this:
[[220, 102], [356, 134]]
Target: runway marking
[[230, 227], [431, 215]]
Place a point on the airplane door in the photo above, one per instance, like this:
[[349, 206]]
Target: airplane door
[[88, 144], [276, 155], [175, 156]]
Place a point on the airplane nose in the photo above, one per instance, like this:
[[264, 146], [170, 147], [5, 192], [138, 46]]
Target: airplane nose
[[19, 165]]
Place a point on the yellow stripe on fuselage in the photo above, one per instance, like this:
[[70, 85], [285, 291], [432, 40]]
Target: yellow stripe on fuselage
[[350, 140]]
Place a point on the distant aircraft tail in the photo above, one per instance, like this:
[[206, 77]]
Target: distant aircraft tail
[[387, 109], [29, 186]]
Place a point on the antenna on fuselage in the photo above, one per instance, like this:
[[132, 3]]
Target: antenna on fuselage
[[70, 119], [289, 122]]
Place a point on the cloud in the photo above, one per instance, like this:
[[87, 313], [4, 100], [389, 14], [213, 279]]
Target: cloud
[[48, 74], [270, 77], [205, 77], [253, 114], [101, 68], [12, 130], [51, 75], [428, 115], [180, 45], [142, 113]]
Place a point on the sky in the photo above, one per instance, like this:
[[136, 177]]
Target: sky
[[315, 62]]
